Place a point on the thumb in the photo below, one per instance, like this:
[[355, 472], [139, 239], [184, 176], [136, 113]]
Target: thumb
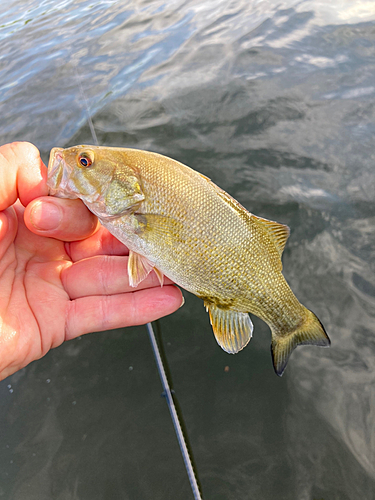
[[63, 219]]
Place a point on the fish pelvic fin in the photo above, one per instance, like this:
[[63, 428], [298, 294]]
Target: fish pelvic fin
[[139, 268], [232, 329], [311, 332]]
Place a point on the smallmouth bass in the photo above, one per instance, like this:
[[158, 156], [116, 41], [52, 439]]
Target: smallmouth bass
[[180, 224]]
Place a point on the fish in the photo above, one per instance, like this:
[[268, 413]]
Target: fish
[[176, 221]]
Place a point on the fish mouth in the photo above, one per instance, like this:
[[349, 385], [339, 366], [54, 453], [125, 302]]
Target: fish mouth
[[55, 170], [58, 175]]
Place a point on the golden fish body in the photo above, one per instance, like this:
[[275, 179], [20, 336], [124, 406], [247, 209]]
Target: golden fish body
[[176, 221]]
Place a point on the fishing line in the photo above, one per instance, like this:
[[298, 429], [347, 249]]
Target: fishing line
[[158, 358], [87, 109]]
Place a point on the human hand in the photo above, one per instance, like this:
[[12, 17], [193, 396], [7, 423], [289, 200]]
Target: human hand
[[61, 274]]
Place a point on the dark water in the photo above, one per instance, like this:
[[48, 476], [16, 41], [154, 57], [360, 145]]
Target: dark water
[[276, 103]]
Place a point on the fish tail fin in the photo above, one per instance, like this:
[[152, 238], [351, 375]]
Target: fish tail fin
[[310, 332]]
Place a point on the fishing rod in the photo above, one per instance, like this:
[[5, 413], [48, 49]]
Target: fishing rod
[[159, 360], [173, 411]]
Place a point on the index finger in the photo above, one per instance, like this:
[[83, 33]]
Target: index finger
[[101, 243]]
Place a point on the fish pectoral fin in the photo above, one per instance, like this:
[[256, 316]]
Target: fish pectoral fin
[[139, 268], [161, 226], [233, 330]]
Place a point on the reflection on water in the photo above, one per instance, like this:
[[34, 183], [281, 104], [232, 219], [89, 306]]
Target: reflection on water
[[274, 102]]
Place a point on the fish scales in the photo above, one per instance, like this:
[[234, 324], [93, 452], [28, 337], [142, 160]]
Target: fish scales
[[176, 221], [227, 273]]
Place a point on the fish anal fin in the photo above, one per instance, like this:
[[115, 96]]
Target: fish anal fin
[[232, 329], [138, 268], [278, 232], [310, 332]]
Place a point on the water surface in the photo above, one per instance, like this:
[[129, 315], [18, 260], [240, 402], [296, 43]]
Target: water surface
[[276, 103]]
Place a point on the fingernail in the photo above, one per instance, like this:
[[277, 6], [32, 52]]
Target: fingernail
[[183, 302], [46, 216]]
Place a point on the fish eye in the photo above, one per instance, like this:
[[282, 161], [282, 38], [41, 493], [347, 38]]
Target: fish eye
[[85, 160]]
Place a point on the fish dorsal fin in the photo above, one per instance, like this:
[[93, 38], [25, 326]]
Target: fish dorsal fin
[[232, 329], [232, 202], [139, 268], [279, 232], [205, 177]]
